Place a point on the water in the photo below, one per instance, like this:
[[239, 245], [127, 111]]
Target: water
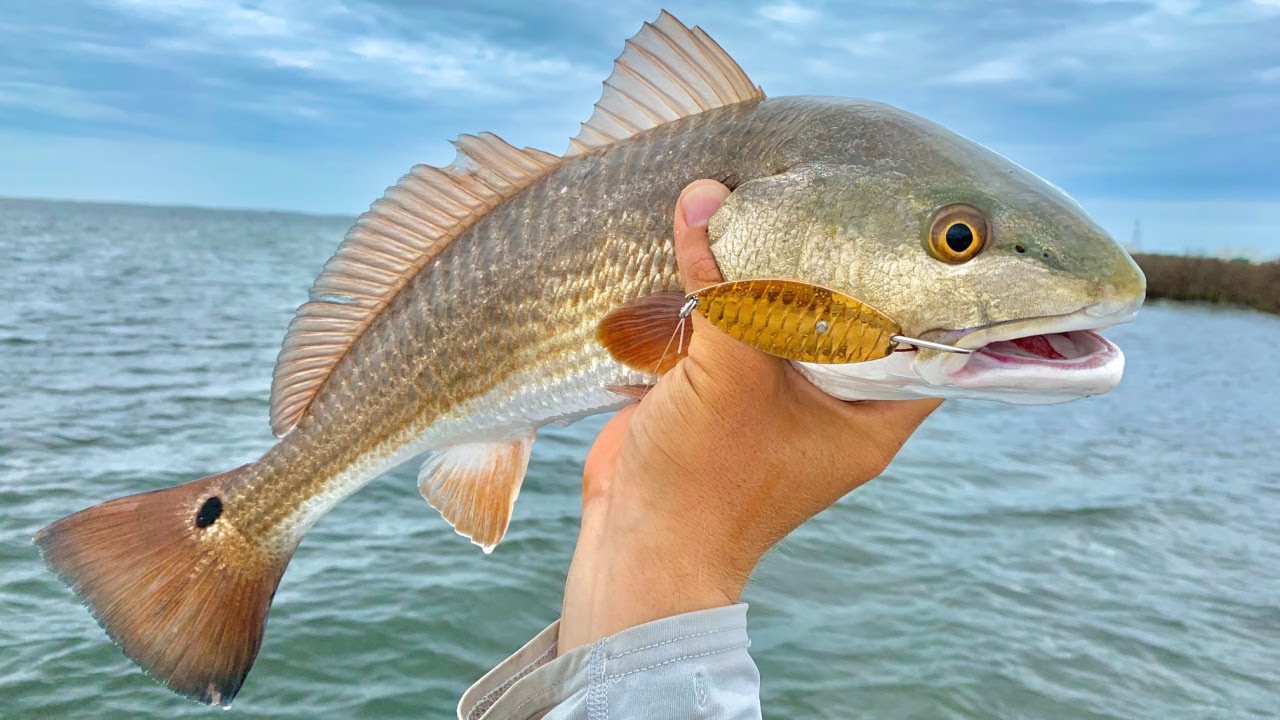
[[1113, 558]]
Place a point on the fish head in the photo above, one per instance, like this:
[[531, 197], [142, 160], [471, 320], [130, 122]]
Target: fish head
[[953, 242]]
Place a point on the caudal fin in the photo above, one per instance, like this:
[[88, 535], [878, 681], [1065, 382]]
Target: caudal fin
[[173, 582]]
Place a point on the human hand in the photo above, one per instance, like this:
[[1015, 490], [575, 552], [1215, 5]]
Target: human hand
[[683, 493]]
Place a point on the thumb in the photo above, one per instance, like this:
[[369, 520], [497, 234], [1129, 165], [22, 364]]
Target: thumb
[[711, 349], [697, 203]]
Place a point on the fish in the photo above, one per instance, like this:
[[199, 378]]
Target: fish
[[474, 303]]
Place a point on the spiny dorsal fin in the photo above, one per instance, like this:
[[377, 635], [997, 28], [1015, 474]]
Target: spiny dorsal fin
[[474, 486], [388, 245], [666, 72]]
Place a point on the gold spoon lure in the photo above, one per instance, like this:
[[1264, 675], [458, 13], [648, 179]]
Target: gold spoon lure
[[799, 321]]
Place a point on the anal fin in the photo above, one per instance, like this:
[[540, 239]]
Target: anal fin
[[474, 486]]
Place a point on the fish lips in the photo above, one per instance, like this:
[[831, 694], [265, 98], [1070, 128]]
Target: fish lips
[[1033, 361]]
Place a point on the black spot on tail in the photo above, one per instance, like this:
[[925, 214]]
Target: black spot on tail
[[209, 512]]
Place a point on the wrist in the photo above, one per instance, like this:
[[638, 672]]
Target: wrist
[[640, 565], [677, 544]]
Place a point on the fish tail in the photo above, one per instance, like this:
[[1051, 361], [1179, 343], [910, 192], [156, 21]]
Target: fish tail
[[168, 576]]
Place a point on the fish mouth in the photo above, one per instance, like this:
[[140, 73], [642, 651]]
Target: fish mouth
[[1034, 361], [1055, 356]]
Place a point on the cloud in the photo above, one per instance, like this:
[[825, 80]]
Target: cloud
[[294, 59], [350, 44], [788, 13], [57, 101], [999, 70], [228, 18]]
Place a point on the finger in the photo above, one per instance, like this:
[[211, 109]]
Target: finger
[[715, 353], [697, 203], [896, 419], [904, 411]]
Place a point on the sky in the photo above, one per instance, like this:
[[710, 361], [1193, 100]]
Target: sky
[[1165, 112]]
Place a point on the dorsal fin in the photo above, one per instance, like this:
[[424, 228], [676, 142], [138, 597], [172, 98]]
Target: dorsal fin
[[386, 247], [666, 72]]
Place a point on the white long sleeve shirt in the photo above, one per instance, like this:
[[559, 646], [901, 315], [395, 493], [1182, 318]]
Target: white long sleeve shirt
[[694, 665]]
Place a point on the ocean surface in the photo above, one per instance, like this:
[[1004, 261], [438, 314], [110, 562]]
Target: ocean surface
[[1117, 557]]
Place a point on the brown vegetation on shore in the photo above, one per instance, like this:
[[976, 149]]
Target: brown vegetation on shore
[[1202, 279]]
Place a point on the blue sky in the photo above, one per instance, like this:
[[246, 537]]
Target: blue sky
[[1163, 110]]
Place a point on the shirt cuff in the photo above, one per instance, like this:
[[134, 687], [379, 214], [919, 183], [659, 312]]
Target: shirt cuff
[[534, 681]]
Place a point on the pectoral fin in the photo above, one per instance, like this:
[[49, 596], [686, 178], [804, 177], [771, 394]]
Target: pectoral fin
[[634, 392], [646, 334], [474, 486]]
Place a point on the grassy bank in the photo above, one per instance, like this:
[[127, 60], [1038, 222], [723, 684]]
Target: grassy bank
[[1174, 277]]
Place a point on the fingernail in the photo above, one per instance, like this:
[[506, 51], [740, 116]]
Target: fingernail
[[700, 203]]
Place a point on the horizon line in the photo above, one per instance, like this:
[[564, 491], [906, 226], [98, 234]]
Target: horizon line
[[184, 206]]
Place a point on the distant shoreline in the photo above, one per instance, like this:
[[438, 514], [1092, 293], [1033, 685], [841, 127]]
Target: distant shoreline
[[1202, 279], [181, 207]]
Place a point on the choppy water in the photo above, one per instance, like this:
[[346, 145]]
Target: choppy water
[[1113, 558]]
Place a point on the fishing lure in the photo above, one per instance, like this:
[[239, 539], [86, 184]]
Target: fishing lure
[[802, 322], [790, 319]]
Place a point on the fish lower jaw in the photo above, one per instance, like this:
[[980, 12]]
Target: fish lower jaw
[[1033, 362], [1064, 365], [1038, 361]]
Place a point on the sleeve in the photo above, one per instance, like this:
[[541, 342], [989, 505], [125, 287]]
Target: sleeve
[[694, 665]]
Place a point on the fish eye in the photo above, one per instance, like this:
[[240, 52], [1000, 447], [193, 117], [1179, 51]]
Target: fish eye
[[957, 234]]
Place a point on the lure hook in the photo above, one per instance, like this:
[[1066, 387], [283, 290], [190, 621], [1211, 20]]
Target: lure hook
[[916, 342]]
